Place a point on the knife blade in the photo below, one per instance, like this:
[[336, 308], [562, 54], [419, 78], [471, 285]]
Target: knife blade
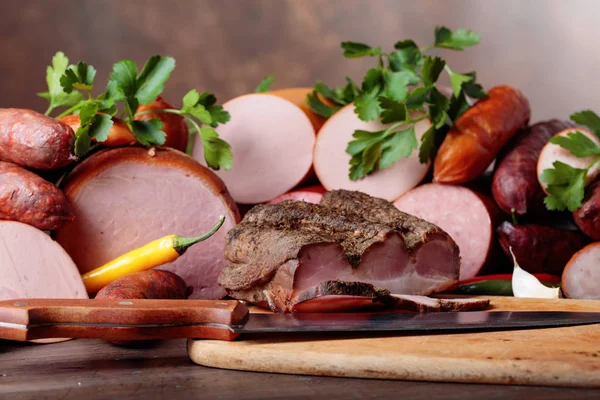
[[29, 319]]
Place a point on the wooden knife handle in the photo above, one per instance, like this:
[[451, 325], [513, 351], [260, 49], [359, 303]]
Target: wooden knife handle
[[28, 319]]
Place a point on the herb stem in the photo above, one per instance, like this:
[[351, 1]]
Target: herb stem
[[71, 110], [164, 110], [424, 49], [49, 110]]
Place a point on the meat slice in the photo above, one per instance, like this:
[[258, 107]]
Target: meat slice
[[32, 265], [469, 217], [281, 251], [312, 194], [428, 304], [124, 198]]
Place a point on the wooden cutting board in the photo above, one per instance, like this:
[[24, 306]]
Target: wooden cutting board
[[553, 357]]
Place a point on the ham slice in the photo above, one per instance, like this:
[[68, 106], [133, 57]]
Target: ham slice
[[281, 251], [32, 265], [428, 304], [124, 198]]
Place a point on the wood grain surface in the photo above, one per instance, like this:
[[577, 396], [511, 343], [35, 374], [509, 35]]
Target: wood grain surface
[[543, 47], [553, 357]]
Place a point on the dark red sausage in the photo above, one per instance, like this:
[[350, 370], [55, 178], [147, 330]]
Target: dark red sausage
[[35, 141], [478, 135], [151, 284], [540, 249], [587, 217], [27, 198], [515, 184]]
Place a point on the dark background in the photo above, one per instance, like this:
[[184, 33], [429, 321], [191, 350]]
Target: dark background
[[549, 49]]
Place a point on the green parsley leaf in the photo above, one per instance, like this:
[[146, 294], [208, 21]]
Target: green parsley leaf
[[55, 94], [438, 107], [408, 56], [124, 76], [363, 140], [218, 115], [428, 146], [356, 167], [350, 92], [354, 50], [100, 127], [149, 132], [190, 99], [418, 97], [399, 144], [432, 67], [458, 105], [79, 77], [393, 111], [207, 99], [457, 80], [192, 107], [577, 143], [457, 40], [217, 152], [265, 84], [151, 81], [372, 79], [472, 88], [334, 94], [318, 107], [366, 106], [82, 141], [565, 186], [589, 119], [370, 157], [396, 85]]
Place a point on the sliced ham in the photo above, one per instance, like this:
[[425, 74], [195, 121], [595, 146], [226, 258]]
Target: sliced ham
[[272, 142], [124, 198], [331, 160], [32, 265], [312, 194], [428, 304], [467, 216], [280, 251]]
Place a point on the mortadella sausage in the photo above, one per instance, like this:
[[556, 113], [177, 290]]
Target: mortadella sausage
[[478, 135], [27, 198], [34, 140]]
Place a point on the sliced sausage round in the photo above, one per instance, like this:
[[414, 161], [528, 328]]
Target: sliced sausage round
[[587, 217], [468, 217], [298, 97], [32, 265], [332, 162], [312, 194], [272, 142], [127, 197], [581, 277]]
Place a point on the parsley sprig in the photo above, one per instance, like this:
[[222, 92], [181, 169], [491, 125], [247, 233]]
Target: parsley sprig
[[401, 91], [72, 85], [566, 184]]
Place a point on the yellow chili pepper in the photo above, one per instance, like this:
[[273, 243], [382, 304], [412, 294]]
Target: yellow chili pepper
[[153, 254]]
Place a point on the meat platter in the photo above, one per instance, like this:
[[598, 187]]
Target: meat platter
[[365, 196]]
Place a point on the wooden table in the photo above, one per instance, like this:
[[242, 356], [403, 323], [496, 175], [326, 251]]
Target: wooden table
[[90, 369]]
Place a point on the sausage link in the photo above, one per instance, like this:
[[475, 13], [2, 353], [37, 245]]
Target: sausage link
[[34, 140], [515, 185], [174, 125], [587, 217], [27, 198], [150, 284], [478, 135], [540, 249]]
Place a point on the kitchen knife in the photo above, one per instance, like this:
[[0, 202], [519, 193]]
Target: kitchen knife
[[29, 319]]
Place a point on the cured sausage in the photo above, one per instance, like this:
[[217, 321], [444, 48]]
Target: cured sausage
[[332, 162], [467, 216], [312, 194], [540, 249], [272, 142], [478, 135], [27, 198], [127, 197], [553, 152], [587, 217], [119, 134], [581, 277], [174, 125], [34, 140], [151, 284], [515, 184]]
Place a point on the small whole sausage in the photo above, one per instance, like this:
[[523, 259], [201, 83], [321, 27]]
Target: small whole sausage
[[478, 135], [587, 217], [119, 134], [515, 185], [34, 140], [150, 284], [540, 249], [174, 125], [27, 198]]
